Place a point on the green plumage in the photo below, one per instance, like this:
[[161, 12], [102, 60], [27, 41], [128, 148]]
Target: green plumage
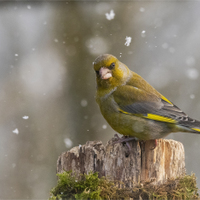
[[133, 107]]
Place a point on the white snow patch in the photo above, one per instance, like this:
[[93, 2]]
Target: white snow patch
[[192, 96], [142, 9], [84, 103], [68, 142], [111, 15], [143, 33], [25, 117], [128, 41], [165, 45], [16, 131], [97, 45], [104, 126], [192, 73]]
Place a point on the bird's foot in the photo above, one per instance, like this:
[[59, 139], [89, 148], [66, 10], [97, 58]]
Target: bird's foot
[[124, 139], [155, 144]]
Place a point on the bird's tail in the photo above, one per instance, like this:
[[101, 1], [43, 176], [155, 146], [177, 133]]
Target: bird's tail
[[190, 125], [196, 129]]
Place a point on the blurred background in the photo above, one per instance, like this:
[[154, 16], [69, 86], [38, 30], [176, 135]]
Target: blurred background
[[47, 81]]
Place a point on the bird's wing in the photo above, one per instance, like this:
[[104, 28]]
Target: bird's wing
[[135, 101]]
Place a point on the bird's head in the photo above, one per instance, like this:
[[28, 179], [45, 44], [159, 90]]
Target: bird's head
[[110, 72]]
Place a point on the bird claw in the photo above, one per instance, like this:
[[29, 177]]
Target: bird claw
[[155, 144], [124, 139]]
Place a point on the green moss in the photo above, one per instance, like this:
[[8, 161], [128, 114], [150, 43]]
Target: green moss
[[186, 189], [86, 187], [180, 188], [92, 187]]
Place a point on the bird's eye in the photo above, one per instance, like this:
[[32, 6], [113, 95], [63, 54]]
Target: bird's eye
[[97, 72], [112, 66]]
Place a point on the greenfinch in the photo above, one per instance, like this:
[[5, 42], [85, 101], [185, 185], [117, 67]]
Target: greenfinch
[[132, 107]]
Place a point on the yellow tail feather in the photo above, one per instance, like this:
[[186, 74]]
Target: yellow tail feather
[[196, 129], [160, 118]]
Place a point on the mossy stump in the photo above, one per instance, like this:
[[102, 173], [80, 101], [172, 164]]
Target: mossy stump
[[127, 168]]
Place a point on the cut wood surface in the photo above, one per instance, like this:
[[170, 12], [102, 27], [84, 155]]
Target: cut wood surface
[[131, 167]]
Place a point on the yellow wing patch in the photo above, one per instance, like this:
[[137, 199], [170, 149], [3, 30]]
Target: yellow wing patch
[[154, 117], [122, 111], [165, 99], [196, 129], [160, 118]]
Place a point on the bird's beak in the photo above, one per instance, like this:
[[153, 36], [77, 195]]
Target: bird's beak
[[105, 73]]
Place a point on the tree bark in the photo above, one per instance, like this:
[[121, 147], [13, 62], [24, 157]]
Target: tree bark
[[129, 167]]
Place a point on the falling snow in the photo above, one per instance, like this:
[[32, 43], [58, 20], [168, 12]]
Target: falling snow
[[192, 73], [84, 103], [142, 9], [111, 15], [68, 142], [192, 96], [128, 41], [16, 131], [104, 126], [25, 117], [143, 33], [97, 45]]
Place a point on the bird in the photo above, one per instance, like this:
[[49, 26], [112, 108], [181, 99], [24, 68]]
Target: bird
[[132, 107]]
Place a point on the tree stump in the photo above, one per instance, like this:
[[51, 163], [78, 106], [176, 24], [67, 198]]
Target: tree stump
[[131, 167]]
